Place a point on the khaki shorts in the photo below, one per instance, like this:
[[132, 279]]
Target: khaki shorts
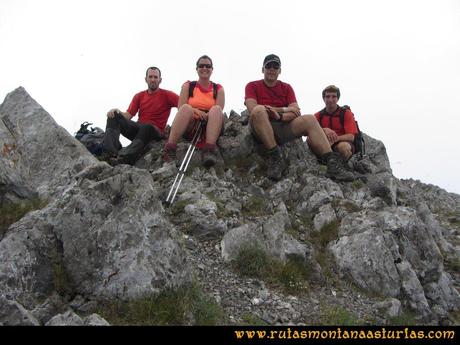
[[281, 130]]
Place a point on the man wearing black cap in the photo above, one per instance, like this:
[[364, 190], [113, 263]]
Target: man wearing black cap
[[275, 119]]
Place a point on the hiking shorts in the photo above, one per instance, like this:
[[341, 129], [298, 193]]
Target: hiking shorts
[[282, 131], [190, 133]]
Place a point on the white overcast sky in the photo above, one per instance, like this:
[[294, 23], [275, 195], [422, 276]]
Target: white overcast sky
[[396, 62]]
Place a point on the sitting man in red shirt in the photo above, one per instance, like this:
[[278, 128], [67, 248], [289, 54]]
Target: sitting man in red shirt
[[275, 119], [340, 136], [154, 107]]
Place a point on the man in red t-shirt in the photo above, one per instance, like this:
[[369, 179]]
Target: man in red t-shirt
[[275, 119], [340, 137], [153, 107]]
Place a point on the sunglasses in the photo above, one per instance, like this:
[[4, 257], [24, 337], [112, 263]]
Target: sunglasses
[[273, 65], [205, 65]]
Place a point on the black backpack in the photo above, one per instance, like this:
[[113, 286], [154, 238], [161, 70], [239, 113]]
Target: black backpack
[[92, 138], [192, 87], [358, 142]]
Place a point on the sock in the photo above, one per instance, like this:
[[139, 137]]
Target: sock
[[209, 147], [171, 146]]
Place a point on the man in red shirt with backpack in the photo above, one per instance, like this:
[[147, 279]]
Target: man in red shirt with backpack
[[338, 123]]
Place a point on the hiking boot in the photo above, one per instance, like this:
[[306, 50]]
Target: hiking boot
[[336, 169], [209, 155], [127, 159], [132, 149], [275, 164], [169, 153], [111, 142], [106, 156], [347, 165], [362, 167], [113, 161], [130, 153]]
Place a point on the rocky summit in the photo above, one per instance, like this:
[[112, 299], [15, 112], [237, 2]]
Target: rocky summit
[[77, 234]]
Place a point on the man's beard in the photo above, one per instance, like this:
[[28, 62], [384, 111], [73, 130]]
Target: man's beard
[[153, 88]]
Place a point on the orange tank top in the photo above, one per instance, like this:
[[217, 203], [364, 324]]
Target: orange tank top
[[202, 98]]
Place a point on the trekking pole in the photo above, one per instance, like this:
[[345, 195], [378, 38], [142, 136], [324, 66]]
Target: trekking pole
[[184, 165]]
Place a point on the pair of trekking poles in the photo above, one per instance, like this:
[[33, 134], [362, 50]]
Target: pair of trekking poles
[[183, 167]]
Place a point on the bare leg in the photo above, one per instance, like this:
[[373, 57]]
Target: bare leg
[[261, 124], [183, 122], [306, 125], [344, 149], [214, 125]]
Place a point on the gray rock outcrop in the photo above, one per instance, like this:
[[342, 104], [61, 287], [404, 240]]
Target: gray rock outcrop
[[43, 154], [14, 314], [105, 234]]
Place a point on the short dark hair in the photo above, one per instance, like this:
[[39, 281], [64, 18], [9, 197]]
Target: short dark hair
[[203, 57], [153, 67], [332, 88]]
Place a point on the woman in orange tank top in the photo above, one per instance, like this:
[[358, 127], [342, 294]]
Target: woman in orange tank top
[[205, 102]]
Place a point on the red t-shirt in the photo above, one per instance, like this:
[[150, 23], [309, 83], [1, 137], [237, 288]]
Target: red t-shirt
[[280, 95], [349, 125], [154, 108]]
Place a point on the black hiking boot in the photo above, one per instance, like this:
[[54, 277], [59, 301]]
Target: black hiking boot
[[130, 153], [111, 142], [209, 155], [336, 168], [276, 164], [362, 167], [134, 148], [106, 156], [114, 161]]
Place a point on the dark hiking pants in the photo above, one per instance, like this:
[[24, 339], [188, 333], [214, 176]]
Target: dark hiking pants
[[129, 129]]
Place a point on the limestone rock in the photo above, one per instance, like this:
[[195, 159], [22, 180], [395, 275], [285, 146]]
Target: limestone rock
[[364, 258], [106, 234], [95, 320], [391, 307], [69, 318], [14, 314], [105, 237], [33, 136], [270, 237]]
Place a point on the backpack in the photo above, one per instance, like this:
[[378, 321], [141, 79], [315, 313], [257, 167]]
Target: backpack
[[358, 142], [92, 138], [192, 87]]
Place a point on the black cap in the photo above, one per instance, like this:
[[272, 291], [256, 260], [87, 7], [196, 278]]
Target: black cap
[[272, 58]]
